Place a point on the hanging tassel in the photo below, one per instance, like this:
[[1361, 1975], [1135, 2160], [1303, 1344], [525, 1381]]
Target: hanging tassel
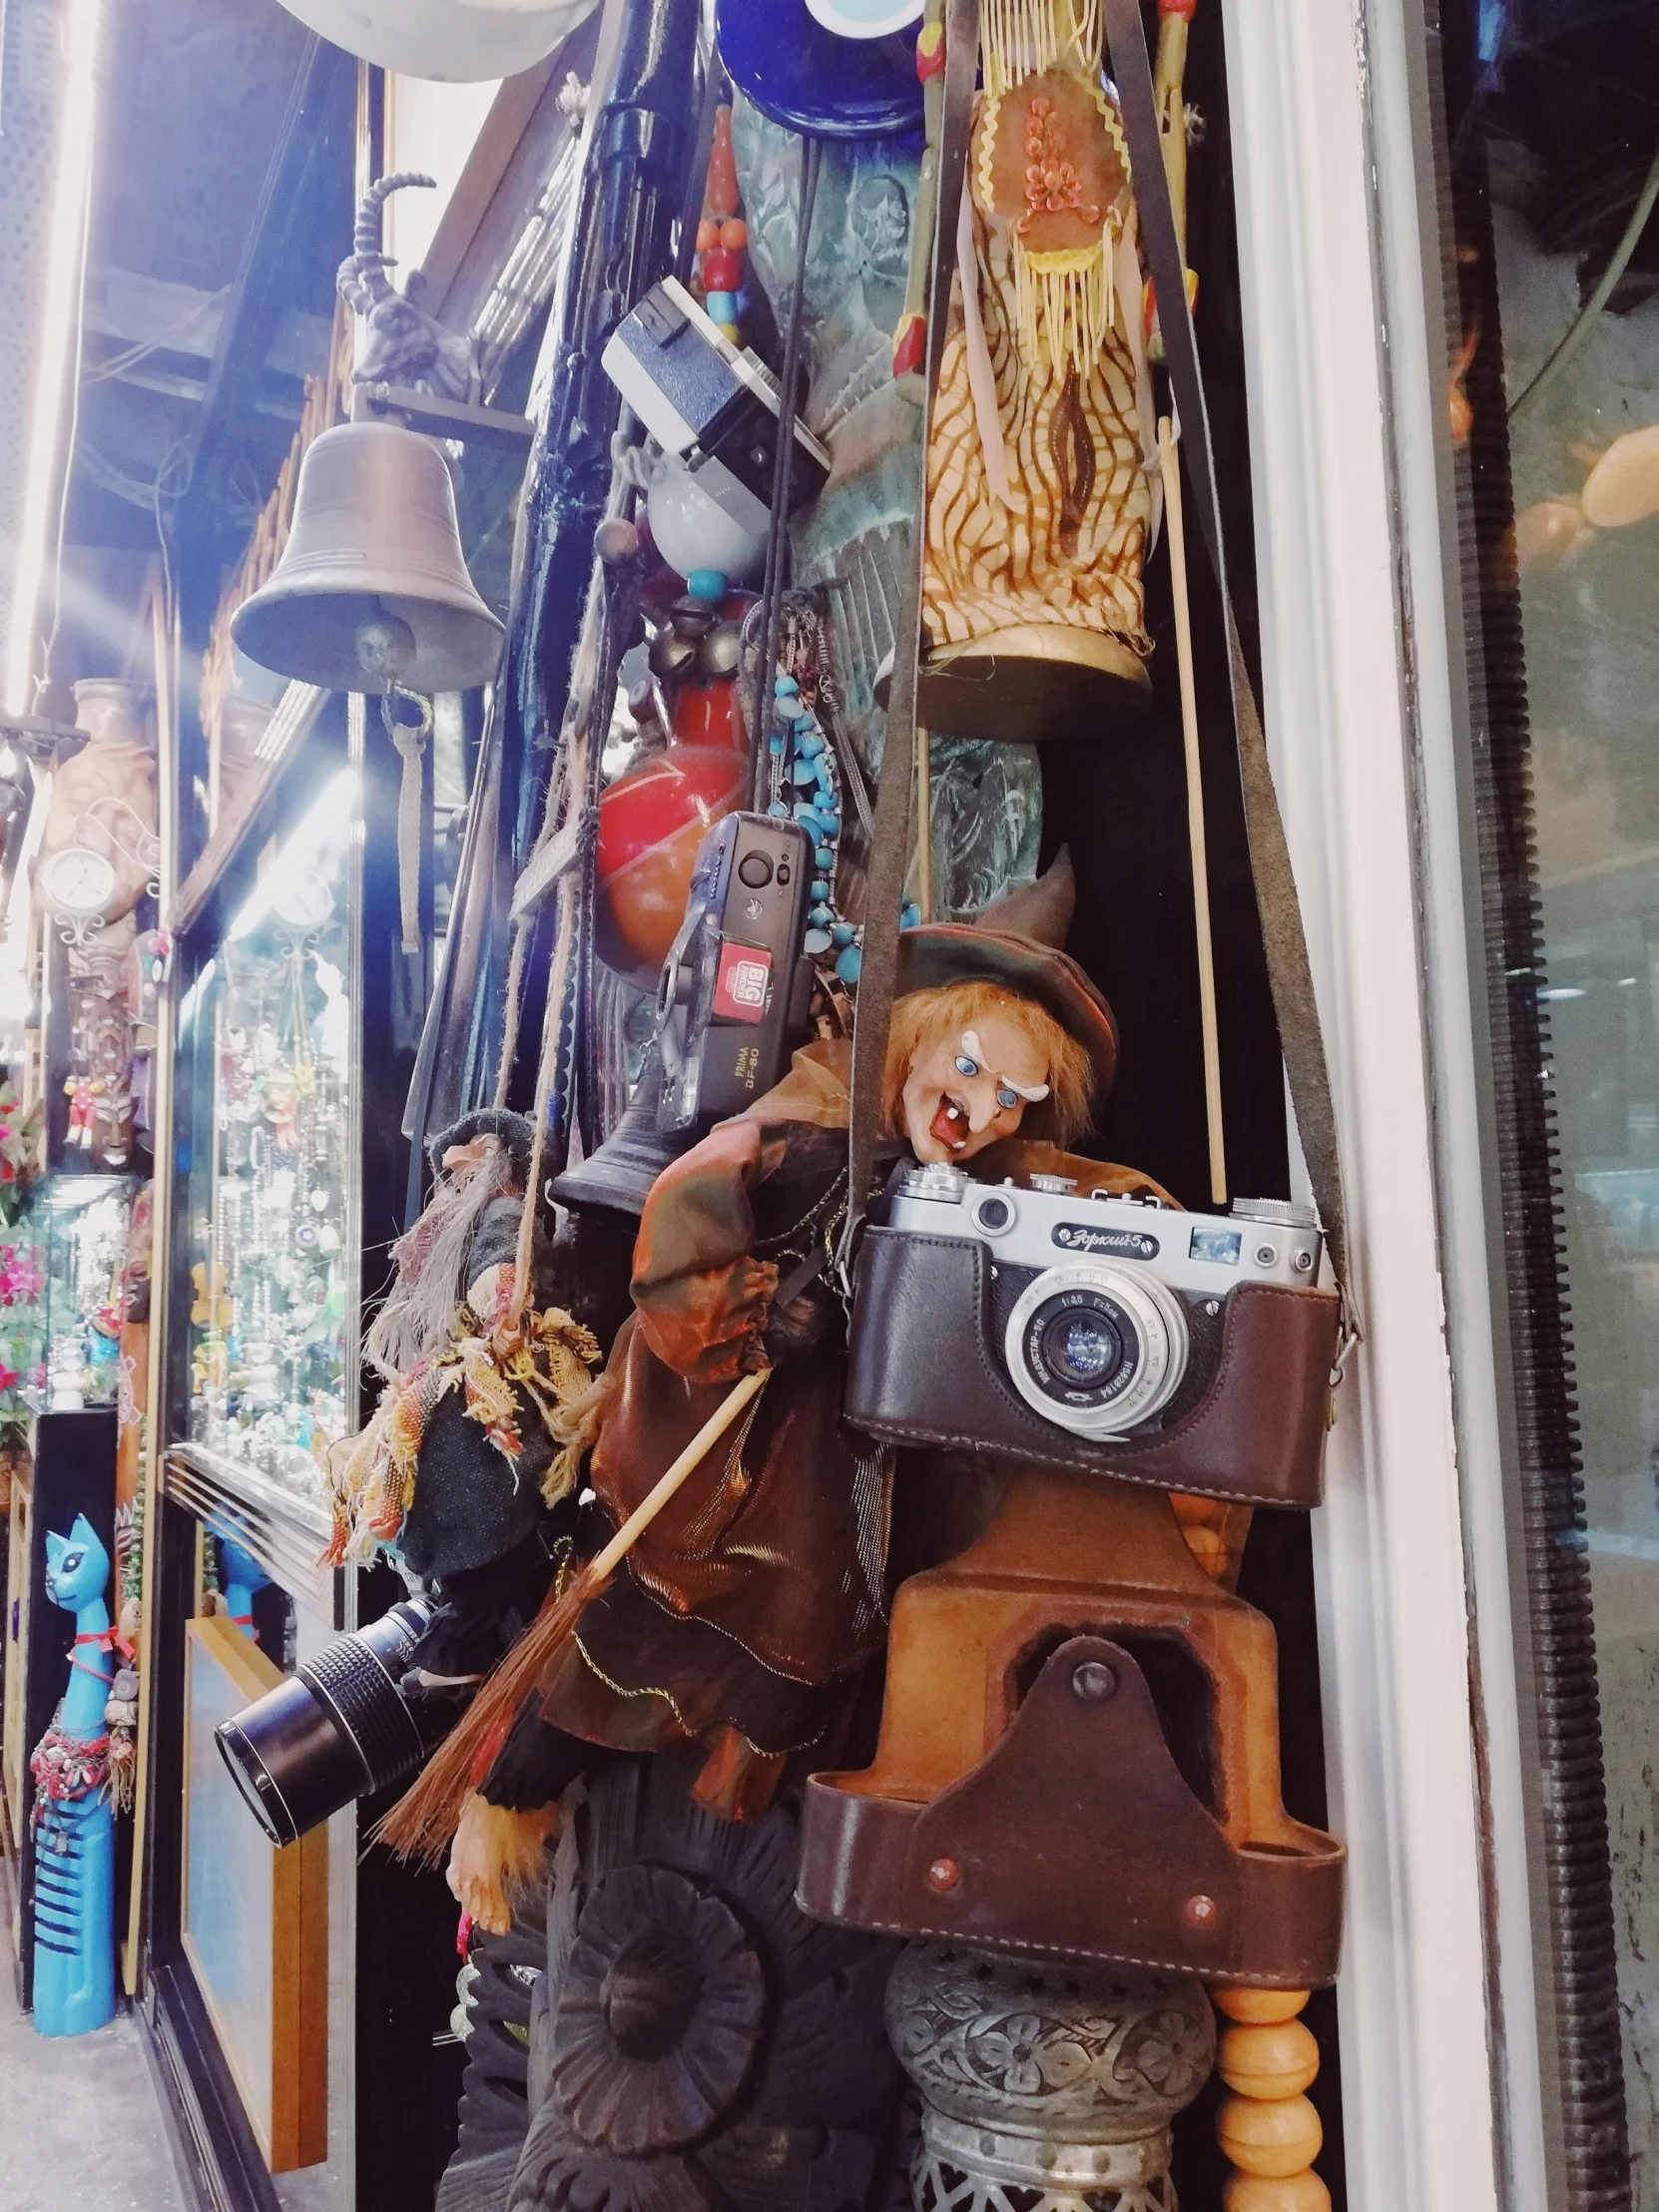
[[410, 741], [1022, 38], [1067, 300]]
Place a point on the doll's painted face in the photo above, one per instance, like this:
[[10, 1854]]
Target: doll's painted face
[[964, 1093]]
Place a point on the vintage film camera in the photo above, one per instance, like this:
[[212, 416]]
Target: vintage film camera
[[714, 406], [732, 1003], [735, 989], [1109, 1335], [1074, 1692]]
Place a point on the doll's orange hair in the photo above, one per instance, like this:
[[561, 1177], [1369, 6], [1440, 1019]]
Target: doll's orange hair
[[923, 1019]]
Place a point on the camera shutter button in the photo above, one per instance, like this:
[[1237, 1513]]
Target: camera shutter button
[[754, 870]]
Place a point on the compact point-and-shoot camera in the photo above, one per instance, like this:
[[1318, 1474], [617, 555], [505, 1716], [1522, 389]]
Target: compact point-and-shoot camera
[[736, 987], [1046, 1322]]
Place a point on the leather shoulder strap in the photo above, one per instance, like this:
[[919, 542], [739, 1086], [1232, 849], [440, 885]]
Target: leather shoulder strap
[[889, 839], [1289, 974]]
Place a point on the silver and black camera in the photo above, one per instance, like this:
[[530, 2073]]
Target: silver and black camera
[[1043, 1322], [1097, 1333], [715, 406]]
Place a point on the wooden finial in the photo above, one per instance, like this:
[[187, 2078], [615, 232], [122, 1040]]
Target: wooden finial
[[1267, 2127]]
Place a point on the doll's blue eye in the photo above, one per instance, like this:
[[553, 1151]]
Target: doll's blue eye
[[1006, 1098], [965, 1066]]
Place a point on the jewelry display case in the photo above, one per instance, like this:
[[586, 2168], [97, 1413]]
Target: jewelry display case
[[267, 1200], [295, 1016], [61, 1276]]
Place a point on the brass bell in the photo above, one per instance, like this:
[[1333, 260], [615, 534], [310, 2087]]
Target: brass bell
[[371, 583]]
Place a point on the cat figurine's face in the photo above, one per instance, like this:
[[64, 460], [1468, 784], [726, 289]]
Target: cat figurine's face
[[77, 1565]]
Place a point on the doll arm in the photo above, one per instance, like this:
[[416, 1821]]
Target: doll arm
[[700, 1295]]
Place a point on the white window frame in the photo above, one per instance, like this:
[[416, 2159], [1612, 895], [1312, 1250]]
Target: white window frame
[[1339, 268]]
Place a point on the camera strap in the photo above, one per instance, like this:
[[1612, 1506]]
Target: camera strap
[[889, 833], [1289, 972]]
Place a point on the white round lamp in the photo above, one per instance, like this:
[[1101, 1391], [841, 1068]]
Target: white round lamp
[[458, 41]]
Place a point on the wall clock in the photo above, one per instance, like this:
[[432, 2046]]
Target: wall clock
[[76, 882]]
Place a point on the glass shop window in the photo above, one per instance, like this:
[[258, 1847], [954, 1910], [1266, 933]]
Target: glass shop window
[[1547, 175], [269, 1188]]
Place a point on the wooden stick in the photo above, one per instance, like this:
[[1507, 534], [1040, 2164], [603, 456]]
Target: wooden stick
[[605, 1563], [1195, 810], [924, 824], [1166, 81]]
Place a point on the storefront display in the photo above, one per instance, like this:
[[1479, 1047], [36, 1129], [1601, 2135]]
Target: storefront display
[[67, 1276], [864, 1359], [268, 1195]]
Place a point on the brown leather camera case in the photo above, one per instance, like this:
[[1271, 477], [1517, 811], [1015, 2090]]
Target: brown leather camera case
[[927, 1368], [1029, 1794]]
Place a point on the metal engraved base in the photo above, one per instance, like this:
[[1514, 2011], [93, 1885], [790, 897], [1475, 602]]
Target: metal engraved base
[[1045, 2089]]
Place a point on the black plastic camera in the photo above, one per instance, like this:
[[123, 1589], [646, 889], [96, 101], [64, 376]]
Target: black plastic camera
[[736, 987]]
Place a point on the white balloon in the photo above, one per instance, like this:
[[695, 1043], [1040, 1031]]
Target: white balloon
[[455, 41], [691, 531]]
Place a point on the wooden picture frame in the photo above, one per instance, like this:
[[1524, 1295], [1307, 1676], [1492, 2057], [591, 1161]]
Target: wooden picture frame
[[254, 1920]]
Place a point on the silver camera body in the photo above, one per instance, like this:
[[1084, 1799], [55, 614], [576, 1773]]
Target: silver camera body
[[1099, 1334], [718, 408]]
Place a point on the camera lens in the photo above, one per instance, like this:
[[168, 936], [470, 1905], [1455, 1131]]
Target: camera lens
[[1096, 1348], [1083, 1347], [337, 1728]]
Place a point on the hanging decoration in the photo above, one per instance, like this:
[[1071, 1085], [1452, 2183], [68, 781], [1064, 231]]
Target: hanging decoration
[[722, 236]]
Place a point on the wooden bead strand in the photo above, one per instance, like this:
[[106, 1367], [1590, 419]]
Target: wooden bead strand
[[1267, 2127]]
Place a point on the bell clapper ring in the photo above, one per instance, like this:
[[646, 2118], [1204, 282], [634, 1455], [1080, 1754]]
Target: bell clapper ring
[[385, 648]]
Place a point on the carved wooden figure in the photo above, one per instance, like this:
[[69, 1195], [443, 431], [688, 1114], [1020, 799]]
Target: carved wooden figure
[[1038, 497]]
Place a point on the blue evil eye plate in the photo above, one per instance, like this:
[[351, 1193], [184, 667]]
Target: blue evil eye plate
[[865, 18], [813, 81]]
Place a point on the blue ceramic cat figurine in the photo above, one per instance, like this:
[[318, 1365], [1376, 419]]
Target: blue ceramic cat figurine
[[240, 1575], [73, 1824]]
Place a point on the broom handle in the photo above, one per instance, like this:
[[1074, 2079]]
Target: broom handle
[[640, 1520], [1195, 811]]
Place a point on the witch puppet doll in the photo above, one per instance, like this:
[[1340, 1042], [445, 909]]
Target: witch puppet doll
[[467, 1473], [744, 1614]]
